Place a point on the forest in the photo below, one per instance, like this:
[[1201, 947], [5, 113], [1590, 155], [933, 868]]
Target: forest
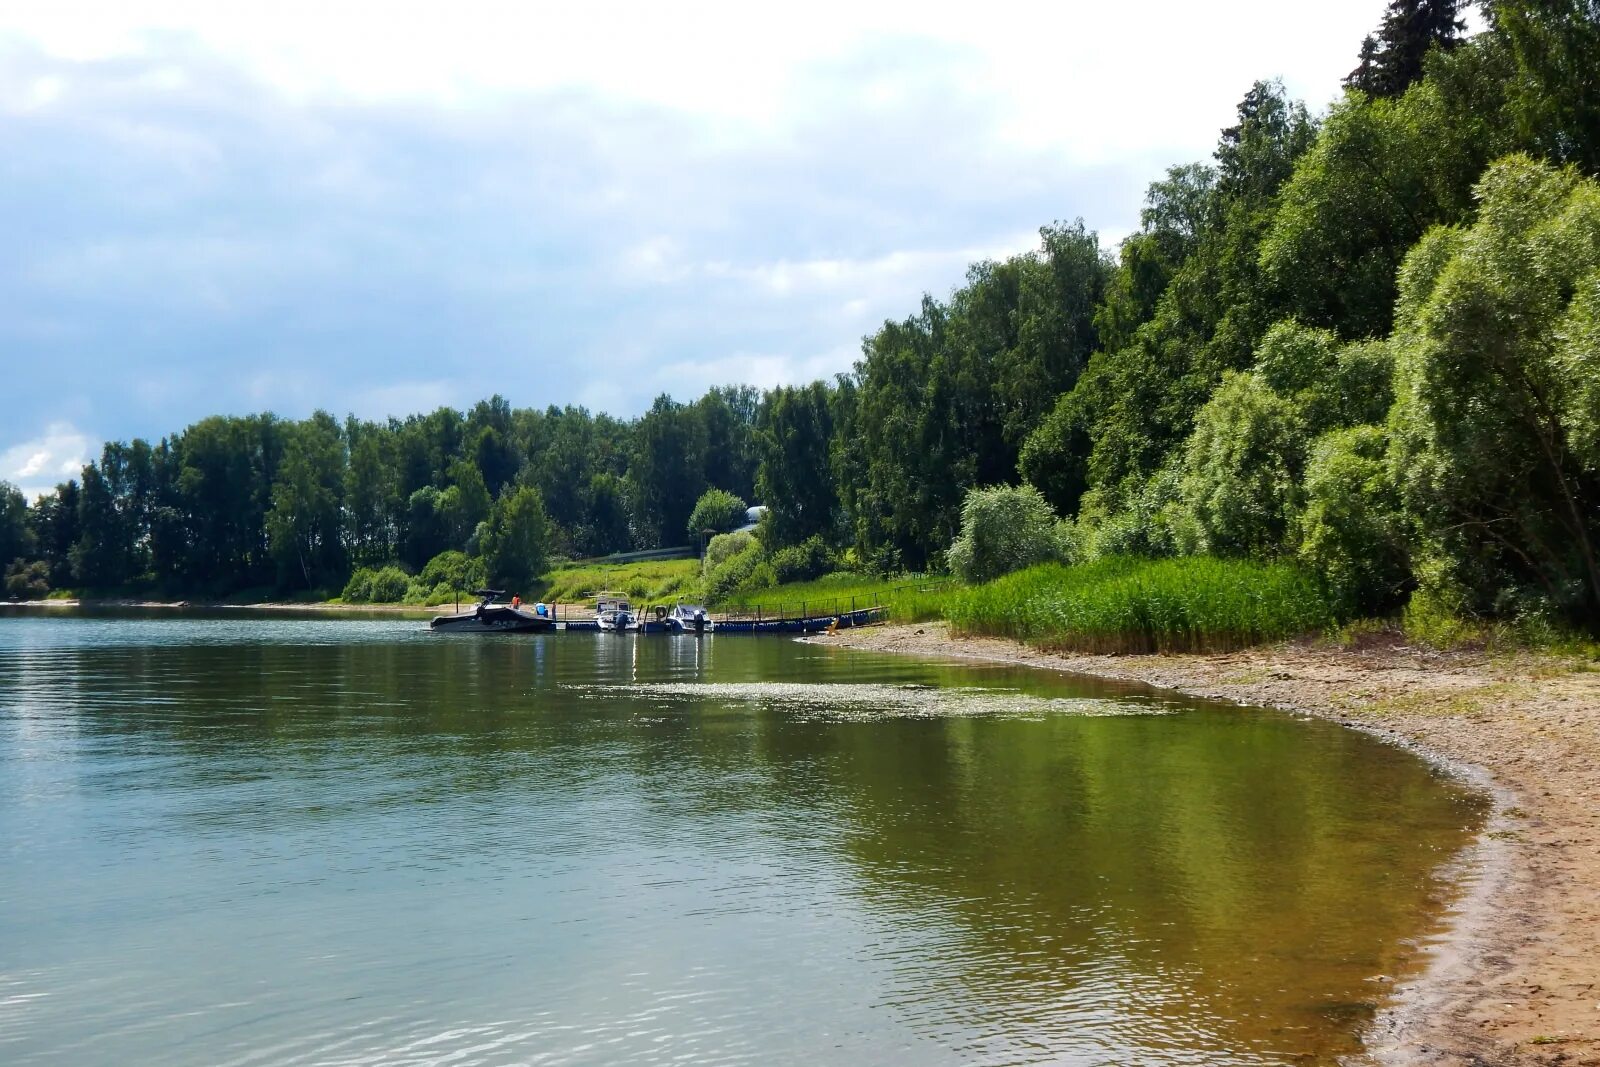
[[1363, 343]]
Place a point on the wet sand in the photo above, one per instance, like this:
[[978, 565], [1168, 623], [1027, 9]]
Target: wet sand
[[1517, 978]]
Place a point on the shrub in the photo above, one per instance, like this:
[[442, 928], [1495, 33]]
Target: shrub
[[383, 585], [724, 547], [1241, 468], [1353, 532], [810, 559], [735, 570], [1156, 523], [454, 570], [717, 509], [28, 581], [1003, 529]]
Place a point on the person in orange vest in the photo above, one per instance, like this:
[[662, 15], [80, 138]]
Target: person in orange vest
[[516, 600]]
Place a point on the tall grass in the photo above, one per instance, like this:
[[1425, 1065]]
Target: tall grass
[[908, 597], [645, 581], [1121, 604]]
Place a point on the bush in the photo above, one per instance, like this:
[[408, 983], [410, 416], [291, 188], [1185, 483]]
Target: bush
[[1353, 533], [724, 547], [810, 559], [384, 585], [735, 570], [717, 509], [28, 581], [1241, 468], [1156, 523], [455, 570], [1003, 529]]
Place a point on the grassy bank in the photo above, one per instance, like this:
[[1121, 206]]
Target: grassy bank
[[1118, 605], [909, 597], [645, 582]]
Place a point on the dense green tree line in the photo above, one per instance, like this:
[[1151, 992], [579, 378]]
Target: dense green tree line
[[253, 502], [1365, 340]]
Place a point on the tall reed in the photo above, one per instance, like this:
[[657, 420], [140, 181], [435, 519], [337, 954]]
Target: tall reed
[[1122, 604]]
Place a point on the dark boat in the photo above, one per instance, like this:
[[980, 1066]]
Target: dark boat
[[491, 618]]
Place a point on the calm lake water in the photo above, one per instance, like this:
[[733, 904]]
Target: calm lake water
[[246, 840]]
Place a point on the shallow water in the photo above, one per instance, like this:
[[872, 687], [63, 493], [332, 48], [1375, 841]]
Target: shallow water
[[248, 840]]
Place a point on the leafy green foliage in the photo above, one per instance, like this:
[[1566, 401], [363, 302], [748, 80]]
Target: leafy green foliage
[[667, 470], [26, 580], [1003, 529], [1354, 531], [16, 532], [717, 510], [1380, 173], [1491, 421], [1139, 401], [1393, 58], [1555, 90], [515, 540], [305, 521], [454, 570], [1242, 465], [1355, 344], [794, 436], [948, 397], [810, 559], [731, 563], [377, 585]]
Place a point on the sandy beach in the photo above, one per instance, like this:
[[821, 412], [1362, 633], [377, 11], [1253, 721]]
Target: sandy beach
[[1516, 979]]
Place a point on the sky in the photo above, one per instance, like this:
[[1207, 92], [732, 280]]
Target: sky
[[381, 208]]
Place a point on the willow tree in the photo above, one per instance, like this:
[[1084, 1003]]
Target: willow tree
[[1497, 451]]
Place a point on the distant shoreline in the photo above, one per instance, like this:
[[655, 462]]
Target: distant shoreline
[[213, 605]]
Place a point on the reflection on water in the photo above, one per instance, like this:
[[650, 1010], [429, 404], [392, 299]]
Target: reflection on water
[[261, 841]]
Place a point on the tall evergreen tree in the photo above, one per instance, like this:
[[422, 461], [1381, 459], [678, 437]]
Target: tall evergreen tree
[[1392, 58]]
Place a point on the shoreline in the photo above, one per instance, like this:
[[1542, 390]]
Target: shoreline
[[212, 605], [1514, 976]]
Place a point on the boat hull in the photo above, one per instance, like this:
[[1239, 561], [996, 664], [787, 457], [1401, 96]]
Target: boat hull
[[497, 620]]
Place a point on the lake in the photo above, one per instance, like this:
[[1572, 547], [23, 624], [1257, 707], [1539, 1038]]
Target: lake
[[240, 839]]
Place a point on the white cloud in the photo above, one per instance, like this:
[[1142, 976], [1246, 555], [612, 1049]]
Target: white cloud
[[686, 379], [1099, 80], [869, 274], [36, 465], [388, 207], [408, 398]]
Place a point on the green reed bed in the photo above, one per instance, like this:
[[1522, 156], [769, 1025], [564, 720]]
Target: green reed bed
[[1119, 604]]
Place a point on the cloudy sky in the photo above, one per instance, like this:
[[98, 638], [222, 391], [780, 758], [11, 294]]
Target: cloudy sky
[[381, 208]]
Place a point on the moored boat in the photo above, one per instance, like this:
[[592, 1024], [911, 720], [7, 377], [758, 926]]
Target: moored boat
[[489, 617], [613, 612], [688, 619]]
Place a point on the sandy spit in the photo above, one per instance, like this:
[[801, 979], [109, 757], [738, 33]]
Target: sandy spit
[[1516, 980]]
